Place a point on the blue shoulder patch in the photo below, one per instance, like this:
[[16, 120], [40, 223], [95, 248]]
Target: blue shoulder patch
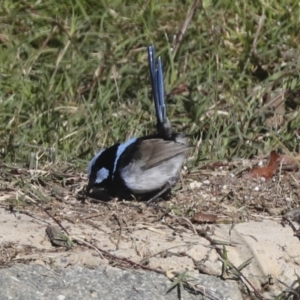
[[120, 150], [92, 162]]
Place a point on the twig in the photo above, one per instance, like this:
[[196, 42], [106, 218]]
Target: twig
[[24, 212], [185, 25], [130, 262], [255, 39], [120, 230], [50, 215], [165, 213], [76, 238]]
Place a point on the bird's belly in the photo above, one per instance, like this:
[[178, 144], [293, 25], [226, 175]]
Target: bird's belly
[[141, 181]]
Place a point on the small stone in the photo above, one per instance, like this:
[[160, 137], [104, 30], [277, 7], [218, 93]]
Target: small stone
[[195, 185]]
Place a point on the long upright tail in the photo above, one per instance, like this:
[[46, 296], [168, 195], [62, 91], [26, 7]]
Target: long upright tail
[[157, 81]]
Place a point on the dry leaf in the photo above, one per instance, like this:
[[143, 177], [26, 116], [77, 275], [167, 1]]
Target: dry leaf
[[268, 171], [204, 218], [181, 88], [274, 157]]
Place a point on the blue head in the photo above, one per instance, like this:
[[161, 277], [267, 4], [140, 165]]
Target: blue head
[[103, 166]]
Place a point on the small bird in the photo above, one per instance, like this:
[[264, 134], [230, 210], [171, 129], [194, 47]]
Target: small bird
[[148, 165]]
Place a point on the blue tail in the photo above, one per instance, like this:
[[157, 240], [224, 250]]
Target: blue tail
[[157, 82]]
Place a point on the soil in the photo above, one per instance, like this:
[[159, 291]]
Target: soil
[[219, 221]]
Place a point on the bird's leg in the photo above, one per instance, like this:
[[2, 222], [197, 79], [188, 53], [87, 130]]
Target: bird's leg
[[171, 182]]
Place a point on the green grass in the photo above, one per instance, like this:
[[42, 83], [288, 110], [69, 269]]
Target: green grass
[[74, 75]]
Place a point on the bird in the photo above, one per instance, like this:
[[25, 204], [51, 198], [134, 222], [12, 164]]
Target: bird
[[147, 165]]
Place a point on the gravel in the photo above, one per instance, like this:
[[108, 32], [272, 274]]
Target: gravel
[[35, 282]]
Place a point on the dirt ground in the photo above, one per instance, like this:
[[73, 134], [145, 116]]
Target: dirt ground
[[219, 221]]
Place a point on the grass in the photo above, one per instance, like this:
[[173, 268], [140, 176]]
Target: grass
[[74, 76], [74, 79]]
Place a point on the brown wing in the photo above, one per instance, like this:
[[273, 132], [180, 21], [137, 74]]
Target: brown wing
[[155, 151]]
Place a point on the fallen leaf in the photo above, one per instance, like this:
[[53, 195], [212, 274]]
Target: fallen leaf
[[204, 218], [274, 157], [267, 171], [181, 88]]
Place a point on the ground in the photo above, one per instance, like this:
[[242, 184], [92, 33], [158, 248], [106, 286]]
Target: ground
[[218, 221]]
